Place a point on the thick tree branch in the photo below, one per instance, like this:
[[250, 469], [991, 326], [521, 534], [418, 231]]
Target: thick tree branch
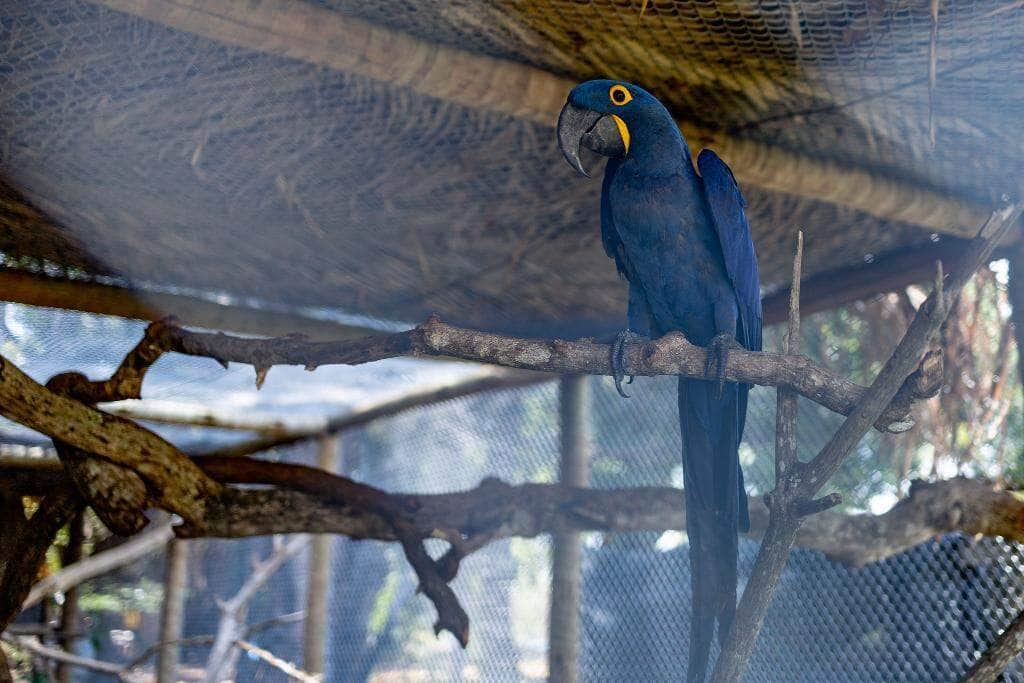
[[669, 355], [497, 510], [174, 482], [305, 500]]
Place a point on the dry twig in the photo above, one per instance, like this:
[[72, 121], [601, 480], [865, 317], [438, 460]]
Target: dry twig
[[220, 662], [287, 668], [38, 649], [101, 563]]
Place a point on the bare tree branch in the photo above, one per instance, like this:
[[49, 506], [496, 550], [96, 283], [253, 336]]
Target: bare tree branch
[[259, 626], [314, 501], [495, 510], [496, 381], [30, 645], [669, 355], [287, 668], [175, 483], [221, 660], [101, 563], [142, 413]]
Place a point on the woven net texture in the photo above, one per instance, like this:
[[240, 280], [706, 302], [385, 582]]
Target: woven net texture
[[922, 615], [161, 156]]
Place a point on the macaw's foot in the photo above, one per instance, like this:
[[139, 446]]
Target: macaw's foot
[[619, 347], [718, 356]]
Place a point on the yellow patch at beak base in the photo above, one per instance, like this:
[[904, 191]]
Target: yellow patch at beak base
[[623, 131]]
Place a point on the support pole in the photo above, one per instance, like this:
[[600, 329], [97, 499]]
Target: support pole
[[69, 615], [172, 616], [315, 625], [1016, 292], [563, 633]]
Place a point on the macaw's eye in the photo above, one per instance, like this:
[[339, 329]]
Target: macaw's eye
[[620, 95]]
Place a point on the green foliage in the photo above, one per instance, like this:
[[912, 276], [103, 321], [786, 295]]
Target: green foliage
[[383, 603], [145, 596], [974, 427]]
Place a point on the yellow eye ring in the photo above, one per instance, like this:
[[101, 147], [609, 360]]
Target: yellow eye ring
[[619, 95]]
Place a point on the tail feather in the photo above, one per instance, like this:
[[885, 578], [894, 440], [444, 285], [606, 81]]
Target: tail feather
[[716, 507]]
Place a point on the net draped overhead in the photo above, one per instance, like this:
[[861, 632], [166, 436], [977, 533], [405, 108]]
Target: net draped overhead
[[288, 162]]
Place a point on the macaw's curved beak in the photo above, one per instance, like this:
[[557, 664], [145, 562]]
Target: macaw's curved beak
[[584, 127]]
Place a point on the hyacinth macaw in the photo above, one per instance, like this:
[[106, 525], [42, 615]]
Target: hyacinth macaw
[[680, 237]]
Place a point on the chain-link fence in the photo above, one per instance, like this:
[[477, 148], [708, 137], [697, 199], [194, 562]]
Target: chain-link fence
[[923, 615], [208, 161]]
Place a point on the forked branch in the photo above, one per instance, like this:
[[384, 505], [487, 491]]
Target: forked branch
[[672, 354], [795, 491]]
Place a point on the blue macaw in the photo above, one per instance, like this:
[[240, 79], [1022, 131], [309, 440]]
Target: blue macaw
[[680, 237]]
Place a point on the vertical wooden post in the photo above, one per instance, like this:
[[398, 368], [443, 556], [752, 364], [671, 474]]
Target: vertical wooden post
[[563, 626], [1016, 292], [48, 619], [69, 615], [172, 614], [318, 586]]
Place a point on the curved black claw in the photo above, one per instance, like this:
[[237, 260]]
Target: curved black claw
[[718, 356], [619, 346]]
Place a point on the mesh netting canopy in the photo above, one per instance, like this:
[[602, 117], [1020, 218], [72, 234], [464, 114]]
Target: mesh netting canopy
[[393, 159]]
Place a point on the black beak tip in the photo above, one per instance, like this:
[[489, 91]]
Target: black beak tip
[[573, 157], [573, 123]]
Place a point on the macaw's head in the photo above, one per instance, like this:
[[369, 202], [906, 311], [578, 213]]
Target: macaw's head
[[610, 118]]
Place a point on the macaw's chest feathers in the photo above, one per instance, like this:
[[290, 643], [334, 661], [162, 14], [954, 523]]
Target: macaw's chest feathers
[[672, 249]]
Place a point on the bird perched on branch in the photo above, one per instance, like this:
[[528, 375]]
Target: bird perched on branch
[[680, 237]]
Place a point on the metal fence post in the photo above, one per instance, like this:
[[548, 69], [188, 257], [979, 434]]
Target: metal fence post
[[315, 625], [563, 627], [1016, 292], [70, 615], [172, 615]]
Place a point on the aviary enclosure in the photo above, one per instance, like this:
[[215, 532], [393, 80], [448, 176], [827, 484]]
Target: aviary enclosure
[[306, 363]]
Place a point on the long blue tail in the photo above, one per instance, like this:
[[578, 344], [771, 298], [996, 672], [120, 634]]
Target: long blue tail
[[716, 507]]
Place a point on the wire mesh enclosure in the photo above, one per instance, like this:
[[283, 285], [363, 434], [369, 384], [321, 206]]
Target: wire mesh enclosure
[[920, 615], [298, 172], [248, 143]]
